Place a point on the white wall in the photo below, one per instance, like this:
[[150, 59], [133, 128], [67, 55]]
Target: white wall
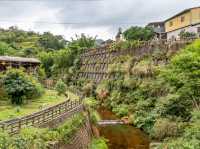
[[176, 33]]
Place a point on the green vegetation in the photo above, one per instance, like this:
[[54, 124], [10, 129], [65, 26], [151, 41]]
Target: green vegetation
[[189, 139], [38, 138], [160, 93], [61, 87], [157, 98], [99, 143], [59, 57], [139, 33], [91, 105], [19, 86], [185, 35], [49, 98]]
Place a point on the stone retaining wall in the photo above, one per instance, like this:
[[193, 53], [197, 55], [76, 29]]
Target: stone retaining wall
[[81, 139]]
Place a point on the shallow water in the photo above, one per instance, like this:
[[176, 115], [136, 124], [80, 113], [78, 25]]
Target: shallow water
[[122, 136]]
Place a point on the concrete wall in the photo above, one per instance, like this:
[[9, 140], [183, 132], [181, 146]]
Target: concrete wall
[[176, 33]]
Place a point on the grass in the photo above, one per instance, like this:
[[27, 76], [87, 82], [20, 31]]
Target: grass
[[50, 98]]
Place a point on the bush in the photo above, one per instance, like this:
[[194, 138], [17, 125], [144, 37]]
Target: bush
[[145, 120], [4, 140], [99, 143], [91, 103], [88, 89], [29, 138], [131, 83], [61, 88], [164, 128], [3, 94], [190, 138], [174, 106], [103, 89], [121, 110], [20, 86]]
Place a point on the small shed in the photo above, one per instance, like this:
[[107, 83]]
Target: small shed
[[30, 64]]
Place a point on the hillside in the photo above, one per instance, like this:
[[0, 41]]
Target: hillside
[[16, 42]]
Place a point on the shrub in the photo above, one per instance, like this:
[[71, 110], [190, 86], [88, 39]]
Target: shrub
[[3, 94], [121, 110], [20, 86], [4, 140], [41, 74], [103, 89], [61, 88], [144, 120], [164, 128], [143, 69], [173, 105], [98, 143], [131, 82], [94, 117], [186, 35], [190, 138], [29, 138], [91, 103], [88, 89]]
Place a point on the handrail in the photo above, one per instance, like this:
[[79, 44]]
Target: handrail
[[42, 117]]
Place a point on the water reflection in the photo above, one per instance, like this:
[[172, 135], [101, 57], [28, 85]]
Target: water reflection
[[122, 136]]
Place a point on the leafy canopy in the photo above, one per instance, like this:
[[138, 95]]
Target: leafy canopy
[[20, 86], [138, 33]]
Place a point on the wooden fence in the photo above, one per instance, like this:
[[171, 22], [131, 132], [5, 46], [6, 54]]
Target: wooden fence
[[43, 117]]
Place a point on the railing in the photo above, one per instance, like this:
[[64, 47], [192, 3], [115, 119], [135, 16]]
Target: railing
[[62, 110]]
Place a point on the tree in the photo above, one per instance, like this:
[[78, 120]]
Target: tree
[[47, 59], [20, 86], [61, 87], [138, 33], [3, 48], [49, 41], [83, 41]]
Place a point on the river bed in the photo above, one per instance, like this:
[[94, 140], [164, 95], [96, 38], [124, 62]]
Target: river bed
[[122, 136]]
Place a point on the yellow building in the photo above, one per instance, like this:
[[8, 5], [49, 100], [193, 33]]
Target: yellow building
[[187, 20]]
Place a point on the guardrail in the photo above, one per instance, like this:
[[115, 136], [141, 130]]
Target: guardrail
[[67, 108]]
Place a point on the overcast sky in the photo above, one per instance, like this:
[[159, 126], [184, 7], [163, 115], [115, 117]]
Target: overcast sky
[[92, 17]]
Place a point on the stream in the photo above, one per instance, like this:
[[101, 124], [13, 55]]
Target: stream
[[122, 136]]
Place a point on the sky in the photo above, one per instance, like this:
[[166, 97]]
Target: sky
[[92, 17]]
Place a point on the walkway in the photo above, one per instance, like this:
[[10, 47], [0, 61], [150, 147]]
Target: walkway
[[54, 114]]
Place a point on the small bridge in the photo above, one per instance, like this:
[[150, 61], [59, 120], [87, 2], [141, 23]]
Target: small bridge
[[110, 122]]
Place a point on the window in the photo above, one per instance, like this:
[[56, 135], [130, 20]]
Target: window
[[170, 23], [182, 18], [198, 29]]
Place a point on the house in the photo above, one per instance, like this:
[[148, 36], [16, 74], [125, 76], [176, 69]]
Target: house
[[30, 64], [159, 29], [185, 21]]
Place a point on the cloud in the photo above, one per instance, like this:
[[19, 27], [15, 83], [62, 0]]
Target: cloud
[[93, 17]]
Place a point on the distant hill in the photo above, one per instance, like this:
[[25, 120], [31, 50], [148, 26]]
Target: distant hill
[[16, 42]]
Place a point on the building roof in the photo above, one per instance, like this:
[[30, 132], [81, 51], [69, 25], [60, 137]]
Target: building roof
[[19, 59], [182, 12], [155, 23]]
